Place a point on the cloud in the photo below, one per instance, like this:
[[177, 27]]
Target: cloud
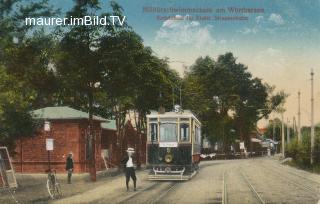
[[276, 18], [259, 19], [223, 41], [181, 31], [269, 61], [272, 52], [247, 31]]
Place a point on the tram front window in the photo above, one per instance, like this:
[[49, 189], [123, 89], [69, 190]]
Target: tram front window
[[168, 132]]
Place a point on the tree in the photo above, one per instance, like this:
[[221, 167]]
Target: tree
[[274, 129], [135, 79], [22, 62], [15, 103], [230, 98], [25, 50], [79, 62]]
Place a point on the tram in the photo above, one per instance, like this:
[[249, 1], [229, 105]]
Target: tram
[[173, 145]]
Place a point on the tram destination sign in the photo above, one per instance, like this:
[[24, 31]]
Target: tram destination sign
[[168, 144]]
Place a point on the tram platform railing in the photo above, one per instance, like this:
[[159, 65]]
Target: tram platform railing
[[168, 170]]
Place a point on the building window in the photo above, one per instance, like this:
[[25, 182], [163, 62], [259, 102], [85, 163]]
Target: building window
[[153, 132], [184, 132]]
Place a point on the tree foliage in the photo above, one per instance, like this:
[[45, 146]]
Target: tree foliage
[[24, 63], [227, 98], [15, 102]]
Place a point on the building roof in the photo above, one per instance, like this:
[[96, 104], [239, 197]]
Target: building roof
[[110, 125], [62, 113], [172, 114]]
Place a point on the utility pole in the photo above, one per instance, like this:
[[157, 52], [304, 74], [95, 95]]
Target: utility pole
[[273, 129], [288, 131], [294, 125], [312, 119], [92, 141], [282, 135], [299, 118]]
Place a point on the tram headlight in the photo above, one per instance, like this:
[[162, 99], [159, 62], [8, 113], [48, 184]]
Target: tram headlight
[[168, 158]]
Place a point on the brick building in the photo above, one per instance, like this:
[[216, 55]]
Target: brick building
[[69, 130], [117, 146]]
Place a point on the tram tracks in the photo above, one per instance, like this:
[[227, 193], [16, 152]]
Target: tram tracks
[[164, 193], [160, 190], [297, 175], [225, 199], [224, 189], [137, 193], [290, 180], [280, 186], [252, 188]]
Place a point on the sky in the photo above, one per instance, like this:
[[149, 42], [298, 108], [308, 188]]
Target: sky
[[279, 45]]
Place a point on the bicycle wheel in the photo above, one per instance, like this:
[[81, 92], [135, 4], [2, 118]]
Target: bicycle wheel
[[58, 190], [51, 188]]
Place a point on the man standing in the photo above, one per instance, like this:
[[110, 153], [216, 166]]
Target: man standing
[[272, 148], [129, 168], [69, 166]]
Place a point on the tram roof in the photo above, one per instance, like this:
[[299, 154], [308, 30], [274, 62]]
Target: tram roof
[[172, 114]]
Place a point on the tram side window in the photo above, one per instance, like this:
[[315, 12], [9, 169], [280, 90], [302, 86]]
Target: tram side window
[[153, 132], [184, 132], [197, 135]]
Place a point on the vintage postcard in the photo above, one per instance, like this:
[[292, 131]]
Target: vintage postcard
[[149, 101]]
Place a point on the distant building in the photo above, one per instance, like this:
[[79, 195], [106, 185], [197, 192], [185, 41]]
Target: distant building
[[115, 145], [206, 146], [262, 131], [109, 143], [69, 131]]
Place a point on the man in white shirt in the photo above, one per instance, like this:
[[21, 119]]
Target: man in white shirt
[[129, 168]]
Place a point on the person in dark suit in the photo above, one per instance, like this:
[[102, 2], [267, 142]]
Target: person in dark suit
[[129, 167], [69, 166]]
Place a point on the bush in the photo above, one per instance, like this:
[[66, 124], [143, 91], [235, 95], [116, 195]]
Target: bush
[[300, 153]]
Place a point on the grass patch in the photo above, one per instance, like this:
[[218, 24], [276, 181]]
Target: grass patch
[[300, 165]]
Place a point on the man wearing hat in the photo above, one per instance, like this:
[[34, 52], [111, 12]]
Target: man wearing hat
[[69, 166], [129, 168]]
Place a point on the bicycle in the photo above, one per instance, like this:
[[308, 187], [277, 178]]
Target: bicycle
[[53, 185]]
